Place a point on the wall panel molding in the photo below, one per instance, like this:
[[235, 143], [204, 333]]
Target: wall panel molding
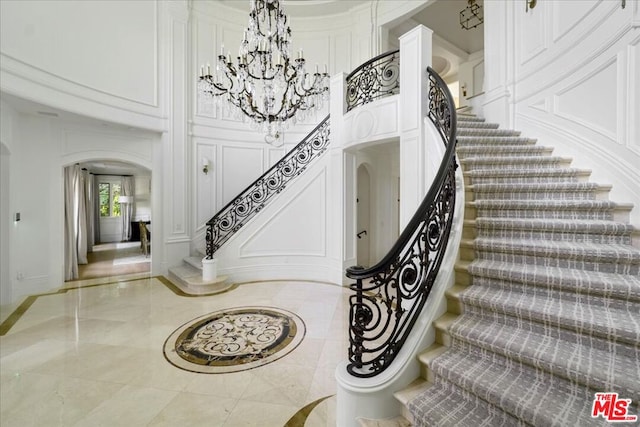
[[302, 216], [592, 101]]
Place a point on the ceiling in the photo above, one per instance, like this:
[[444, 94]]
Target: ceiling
[[451, 46], [442, 16]]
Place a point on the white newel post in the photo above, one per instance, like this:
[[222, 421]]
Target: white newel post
[[373, 397], [415, 57], [209, 269]]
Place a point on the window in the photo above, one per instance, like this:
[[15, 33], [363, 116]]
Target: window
[[109, 198]]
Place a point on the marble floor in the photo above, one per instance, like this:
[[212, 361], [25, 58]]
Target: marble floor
[[112, 259], [93, 356]]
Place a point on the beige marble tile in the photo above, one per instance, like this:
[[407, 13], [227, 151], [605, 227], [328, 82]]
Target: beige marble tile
[[232, 385], [30, 399], [323, 415], [279, 383], [259, 414], [323, 384], [33, 355], [130, 406], [188, 409], [109, 340]]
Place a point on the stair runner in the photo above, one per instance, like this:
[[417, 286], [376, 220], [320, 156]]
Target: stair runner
[[551, 313]]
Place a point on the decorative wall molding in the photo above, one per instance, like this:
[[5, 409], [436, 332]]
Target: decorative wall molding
[[302, 217], [572, 54], [236, 161], [592, 100], [372, 122], [564, 21], [70, 72]]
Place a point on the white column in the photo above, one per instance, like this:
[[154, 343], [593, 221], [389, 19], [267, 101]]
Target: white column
[[176, 148], [341, 209], [415, 57]]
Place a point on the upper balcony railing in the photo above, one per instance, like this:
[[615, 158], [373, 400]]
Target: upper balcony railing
[[376, 78], [390, 296]]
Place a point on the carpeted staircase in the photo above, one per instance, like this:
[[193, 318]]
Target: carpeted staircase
[[546, 307]]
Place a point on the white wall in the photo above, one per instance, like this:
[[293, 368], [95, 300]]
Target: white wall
[[471, 77], [567, 73], [135, 66], [41, 148], [7, 224], [98, 58]]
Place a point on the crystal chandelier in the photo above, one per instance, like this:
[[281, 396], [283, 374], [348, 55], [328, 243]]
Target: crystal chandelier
[[265, 84]]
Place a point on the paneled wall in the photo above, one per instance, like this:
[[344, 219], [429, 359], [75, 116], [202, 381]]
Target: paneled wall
[[568, 75]]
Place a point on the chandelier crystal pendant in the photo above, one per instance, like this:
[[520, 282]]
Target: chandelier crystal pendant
[[265, 84]]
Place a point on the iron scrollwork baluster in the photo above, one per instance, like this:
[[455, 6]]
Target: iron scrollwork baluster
[[374, 79], [389, 296], [247, 204]]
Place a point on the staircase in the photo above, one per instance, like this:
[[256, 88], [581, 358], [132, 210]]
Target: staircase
[[188, 278], [546, 307]]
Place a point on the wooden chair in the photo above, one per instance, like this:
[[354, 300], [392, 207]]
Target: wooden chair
[[144, 238]]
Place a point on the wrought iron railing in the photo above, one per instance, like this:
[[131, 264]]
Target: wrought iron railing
[[376, 78], [390, 295], [248, 203]]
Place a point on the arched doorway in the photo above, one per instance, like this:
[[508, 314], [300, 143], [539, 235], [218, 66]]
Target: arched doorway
[[107, 241]]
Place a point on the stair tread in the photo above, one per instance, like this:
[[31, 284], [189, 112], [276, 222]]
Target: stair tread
[[476, 173], [581, 249], [533, 396], [588, 282], [536, 185], [477, 125], [532, 160], [412, 390], [566, 225], [503, 149], [497, 139], [550, 204], [443, 404], [484, 131], [608, 318], [194, 262], [559, 351]]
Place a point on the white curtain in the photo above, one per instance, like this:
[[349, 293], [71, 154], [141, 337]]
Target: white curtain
[[70, 221], [76, 183], [92, 205], [126, 209], [82, 237], [96, 211]]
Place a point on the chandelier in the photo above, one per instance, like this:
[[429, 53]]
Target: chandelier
[[265, 84], [471, 16]]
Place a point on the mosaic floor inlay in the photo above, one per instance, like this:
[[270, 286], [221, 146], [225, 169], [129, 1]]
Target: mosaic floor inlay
[[234, 340]]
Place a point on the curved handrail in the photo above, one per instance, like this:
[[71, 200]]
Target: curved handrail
[[376, 78], [390, 295], [249, 202]]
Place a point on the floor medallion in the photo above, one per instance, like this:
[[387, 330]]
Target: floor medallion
[[234, 340]]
